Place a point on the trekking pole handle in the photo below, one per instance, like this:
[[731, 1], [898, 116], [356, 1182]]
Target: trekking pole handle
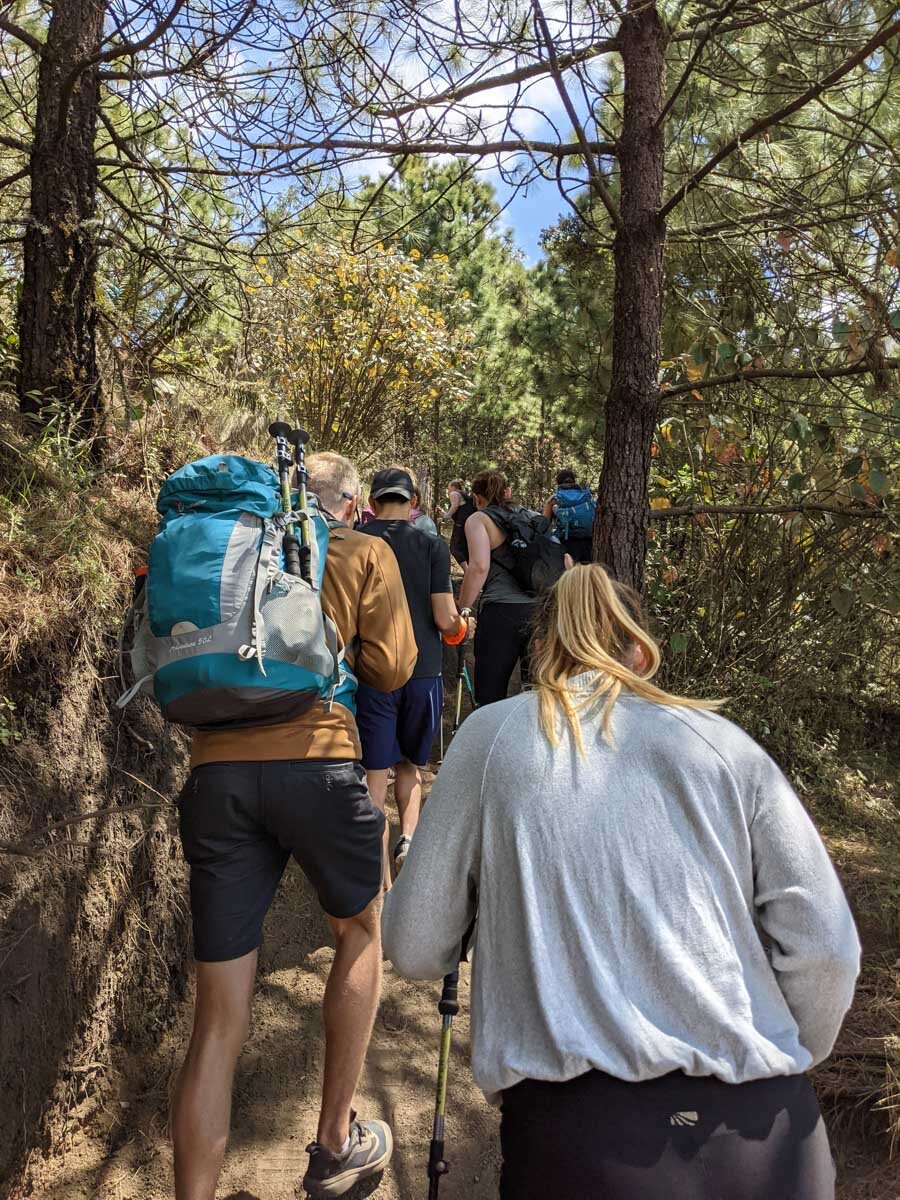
[[448, 1005], [299, 438], [281, 431]]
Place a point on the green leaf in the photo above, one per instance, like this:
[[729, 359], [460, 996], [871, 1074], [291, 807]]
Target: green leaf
[[797, 482], [679, 642], [841, 331], [852, 467], [842, 599], [895, 319], [799, 428], [698, 353], [857, 491], [725, 352], [878, 481]]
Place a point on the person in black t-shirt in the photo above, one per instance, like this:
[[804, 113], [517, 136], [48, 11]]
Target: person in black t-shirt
[[397, 728]]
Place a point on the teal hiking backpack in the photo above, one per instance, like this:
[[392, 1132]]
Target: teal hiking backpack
[[574, 509], [220, 636]]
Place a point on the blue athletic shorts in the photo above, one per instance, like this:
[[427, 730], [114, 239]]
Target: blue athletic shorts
[[399, 725]]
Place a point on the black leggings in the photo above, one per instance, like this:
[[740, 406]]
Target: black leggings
[[673, 1138], [501, 640]]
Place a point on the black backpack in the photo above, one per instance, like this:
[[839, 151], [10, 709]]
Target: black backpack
[[531, 555]]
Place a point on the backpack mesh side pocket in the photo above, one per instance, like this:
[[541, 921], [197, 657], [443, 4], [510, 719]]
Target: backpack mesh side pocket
[[293, 626]]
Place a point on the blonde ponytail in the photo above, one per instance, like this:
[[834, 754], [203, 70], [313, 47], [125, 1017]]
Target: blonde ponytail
[[590, 623]]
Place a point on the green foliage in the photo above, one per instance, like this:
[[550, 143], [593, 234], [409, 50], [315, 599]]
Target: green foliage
[[9, 735], [353, 343]]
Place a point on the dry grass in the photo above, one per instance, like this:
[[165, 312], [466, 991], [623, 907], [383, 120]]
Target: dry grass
[[859, 1085], [68, 540]]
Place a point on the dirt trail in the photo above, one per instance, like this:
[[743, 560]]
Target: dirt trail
[[122, 1152]]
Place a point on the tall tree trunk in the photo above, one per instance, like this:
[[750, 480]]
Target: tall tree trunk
[[620, 534], [58, 311]]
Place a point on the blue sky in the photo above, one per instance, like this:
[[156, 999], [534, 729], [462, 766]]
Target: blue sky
[[530, 212]]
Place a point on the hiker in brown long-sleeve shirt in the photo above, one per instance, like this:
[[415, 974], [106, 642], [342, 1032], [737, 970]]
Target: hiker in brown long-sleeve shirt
[[254, 798]]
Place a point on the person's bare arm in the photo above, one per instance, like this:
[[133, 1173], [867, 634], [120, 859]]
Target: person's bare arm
[[445, 612], [479, 542], [455, 502], [548, 509]]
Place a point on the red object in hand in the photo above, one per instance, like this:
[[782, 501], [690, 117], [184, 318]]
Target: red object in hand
[[457, 637]]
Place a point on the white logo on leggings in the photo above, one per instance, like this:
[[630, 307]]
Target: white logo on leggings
[[684, 1118]]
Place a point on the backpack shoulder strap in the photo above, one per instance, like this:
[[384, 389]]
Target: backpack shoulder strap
[[500, 516]]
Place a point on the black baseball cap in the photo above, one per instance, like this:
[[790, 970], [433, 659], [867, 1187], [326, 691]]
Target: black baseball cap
[[392, 482]]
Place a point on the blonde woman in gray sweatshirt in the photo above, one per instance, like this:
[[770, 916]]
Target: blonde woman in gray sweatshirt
[[663, 948]]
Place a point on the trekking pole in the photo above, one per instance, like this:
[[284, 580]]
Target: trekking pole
[[460, 675], [448, 1007], [468, 683], [281, 431], [299, 438]]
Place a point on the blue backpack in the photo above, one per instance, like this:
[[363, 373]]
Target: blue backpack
[[574, 509], [221, 636]]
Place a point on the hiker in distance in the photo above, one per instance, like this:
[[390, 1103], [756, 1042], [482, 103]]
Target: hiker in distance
[[458, 511], [571, 510], [257, 796], [418, 518], [663, 948], [504, 617], [397, 727]]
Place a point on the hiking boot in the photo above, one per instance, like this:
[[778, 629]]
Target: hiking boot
[[401, 850], [331, 1174]]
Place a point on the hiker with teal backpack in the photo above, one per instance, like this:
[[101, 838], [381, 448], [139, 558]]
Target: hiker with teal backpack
[[571, 508], [262, 665]]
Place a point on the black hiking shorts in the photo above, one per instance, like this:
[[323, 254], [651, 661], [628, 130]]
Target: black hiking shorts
[[240, 822]]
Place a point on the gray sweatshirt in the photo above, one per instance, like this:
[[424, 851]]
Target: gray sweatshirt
[[662, 903]]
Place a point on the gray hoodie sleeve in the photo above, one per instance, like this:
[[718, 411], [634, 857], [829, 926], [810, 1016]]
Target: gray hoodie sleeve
[[802, 909], [429, 908]]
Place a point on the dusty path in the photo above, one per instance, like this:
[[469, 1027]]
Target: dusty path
[[122, 1152]]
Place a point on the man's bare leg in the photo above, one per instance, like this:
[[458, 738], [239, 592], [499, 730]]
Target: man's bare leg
[[201, 1105], [378, 788], [351, 1001], [408, 794]]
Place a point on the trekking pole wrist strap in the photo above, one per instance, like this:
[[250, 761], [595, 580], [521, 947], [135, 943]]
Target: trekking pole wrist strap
[[454, 639]]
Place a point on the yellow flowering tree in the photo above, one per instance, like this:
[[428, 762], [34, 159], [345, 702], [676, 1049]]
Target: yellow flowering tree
[[351, 345]]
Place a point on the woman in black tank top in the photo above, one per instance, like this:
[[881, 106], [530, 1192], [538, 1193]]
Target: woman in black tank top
[[504, 617]]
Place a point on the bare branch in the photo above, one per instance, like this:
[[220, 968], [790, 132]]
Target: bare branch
[[750, 510], [28, 849], [122, 50], [749, 375], [453, 95], [596, 177], [21, 35]]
